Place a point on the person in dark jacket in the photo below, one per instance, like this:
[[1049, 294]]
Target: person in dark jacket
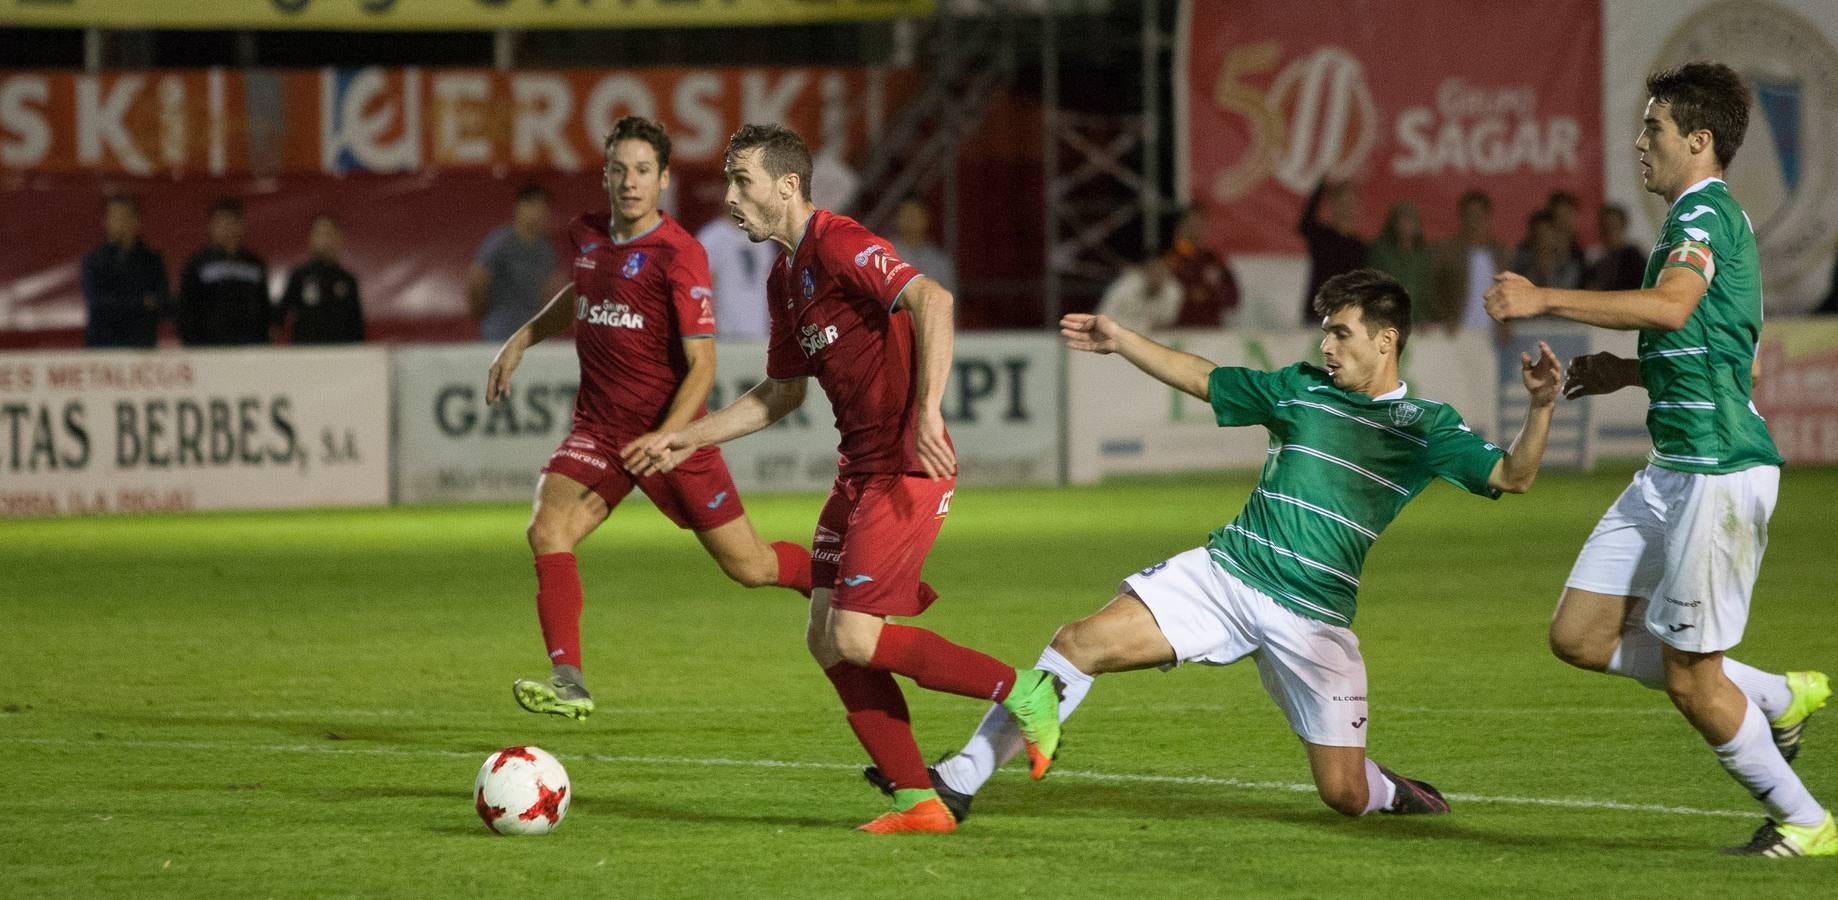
[[125, 291], [223, 294], [1333, 247], [320, 304]]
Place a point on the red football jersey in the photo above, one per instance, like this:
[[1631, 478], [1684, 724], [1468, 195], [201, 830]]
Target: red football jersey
[[832, 301], [634, 304]]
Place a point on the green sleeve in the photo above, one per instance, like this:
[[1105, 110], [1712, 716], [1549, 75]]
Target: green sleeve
[[1244, 396], [1461, 457]]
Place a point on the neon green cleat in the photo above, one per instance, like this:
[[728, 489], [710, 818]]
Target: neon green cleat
[[1810, 691], [1034, 702], [557, 696], [1778, 840]]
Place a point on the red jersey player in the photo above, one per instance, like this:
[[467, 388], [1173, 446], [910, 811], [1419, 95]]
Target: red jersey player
[[643, 323], [877, 337]]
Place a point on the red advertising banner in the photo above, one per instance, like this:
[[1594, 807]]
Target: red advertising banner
[[1798, 390], [218, 122], [1411, 100]]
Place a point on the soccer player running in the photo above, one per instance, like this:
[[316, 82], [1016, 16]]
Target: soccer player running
[[640, 303], [877, 336], [1349, 447], [1661, 588]]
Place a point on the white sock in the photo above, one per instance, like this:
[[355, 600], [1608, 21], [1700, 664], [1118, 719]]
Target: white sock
[[1765, 689], [997, 740], [1756, 764], [1639, 657], [1380, 791]]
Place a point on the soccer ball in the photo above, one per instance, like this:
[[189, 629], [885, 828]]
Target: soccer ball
[[521, 790]]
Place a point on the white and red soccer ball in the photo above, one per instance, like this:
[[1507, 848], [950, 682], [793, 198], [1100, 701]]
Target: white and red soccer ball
[[521, 790]]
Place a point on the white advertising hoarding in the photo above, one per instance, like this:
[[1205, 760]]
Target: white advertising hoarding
[[134, 431], [1002, 406]]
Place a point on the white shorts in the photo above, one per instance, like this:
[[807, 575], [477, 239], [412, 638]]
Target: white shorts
[[1312, 669], [1690, 544]]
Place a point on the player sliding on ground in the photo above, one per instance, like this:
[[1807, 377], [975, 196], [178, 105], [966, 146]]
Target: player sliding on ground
[[877, 336], [1661, 588], [1349, 447], [644, 328]]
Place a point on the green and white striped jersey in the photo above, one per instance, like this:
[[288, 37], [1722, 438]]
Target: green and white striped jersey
[[1341, 466], [1697, 378]]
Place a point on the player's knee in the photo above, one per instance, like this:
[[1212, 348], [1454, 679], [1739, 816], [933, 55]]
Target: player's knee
[[1578, 650], [546, 535], [1075, 644]]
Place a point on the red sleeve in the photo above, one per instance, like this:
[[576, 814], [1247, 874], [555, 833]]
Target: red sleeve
[[864, 263], [692, 301], [578, 231], [784, 357]]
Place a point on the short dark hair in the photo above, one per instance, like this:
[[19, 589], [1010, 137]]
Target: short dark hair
[[782, 152], [1475, 196], [532, 191], [1613, 209], [1705, 96], [1560, 198], [227, 204], [639, 128], [122, 198], [1382, 301], [1537, 218]]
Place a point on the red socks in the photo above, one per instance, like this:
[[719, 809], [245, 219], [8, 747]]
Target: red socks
[[794, 566], [558, 605], [939, 665], [877, 715]]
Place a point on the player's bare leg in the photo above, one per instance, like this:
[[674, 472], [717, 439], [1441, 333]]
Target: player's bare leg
[[1592, 631], [565, 513], [1737, 733], [1121, 637], [752, 562], [1353, 785]]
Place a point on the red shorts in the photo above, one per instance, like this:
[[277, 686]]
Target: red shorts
[[699, 494], [872, 539]]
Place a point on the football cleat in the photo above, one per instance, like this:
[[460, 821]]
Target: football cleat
[[1780, 840], [1414, 797], [557, 696], [957, 802], [928, 816], [1034, 702], [1810, 691]]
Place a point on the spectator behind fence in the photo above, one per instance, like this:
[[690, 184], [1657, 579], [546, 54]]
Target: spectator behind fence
[[1463, 267], [125, 292], [1544, 256], [223, 294], [321, 304], [737, 267], [1143, 298], [1618, 264], [1401, 250], [912, 241], [1562, 205], [1209, 293], [1334, 247], [513, 274]]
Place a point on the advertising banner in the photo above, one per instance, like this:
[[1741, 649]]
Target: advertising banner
[[1798, 392], [191, 122], [1002, 406], [1785, 174], [437, 15], [1410, 100], [110, 432]]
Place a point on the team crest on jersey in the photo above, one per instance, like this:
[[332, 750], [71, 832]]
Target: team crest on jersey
[[632, 264], [810, 284], [1405, 413]]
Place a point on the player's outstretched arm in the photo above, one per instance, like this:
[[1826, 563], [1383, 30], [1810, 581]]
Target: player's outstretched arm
[[931, 305], [1600, 373], [1666, 306], [1516, 470], [768, 402], [552, 320], [1184, 372]]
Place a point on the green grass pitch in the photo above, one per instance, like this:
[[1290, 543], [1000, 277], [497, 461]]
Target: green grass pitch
[[295, 704]]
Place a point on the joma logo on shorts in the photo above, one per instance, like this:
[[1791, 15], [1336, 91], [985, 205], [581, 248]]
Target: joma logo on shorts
[[1692, 605]]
